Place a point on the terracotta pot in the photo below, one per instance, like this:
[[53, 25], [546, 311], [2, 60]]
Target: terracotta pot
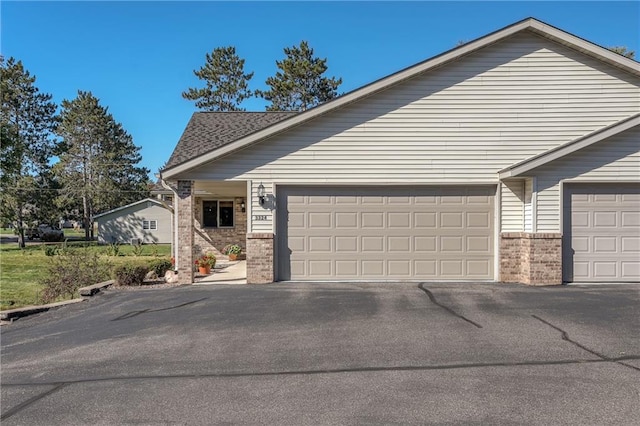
[[233, 256], [204, 270]]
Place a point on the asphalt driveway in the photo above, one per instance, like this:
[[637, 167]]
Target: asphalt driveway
[[330, 354]]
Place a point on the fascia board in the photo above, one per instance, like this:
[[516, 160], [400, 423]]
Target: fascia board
[[346, 99], [571, 147]]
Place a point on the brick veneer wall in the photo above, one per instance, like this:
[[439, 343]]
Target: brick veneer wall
[[185, 256], [214, 239], [260, 258], [534, 259]]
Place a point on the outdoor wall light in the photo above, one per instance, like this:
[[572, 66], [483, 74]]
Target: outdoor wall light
[[243, 207], [261, 195]]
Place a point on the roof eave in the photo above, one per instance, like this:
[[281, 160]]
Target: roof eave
[[127, 206], [527, 24], [347, 98], [546, 157], [585, 46]]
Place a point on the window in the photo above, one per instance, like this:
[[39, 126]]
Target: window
[[217, 214], [150, 224]]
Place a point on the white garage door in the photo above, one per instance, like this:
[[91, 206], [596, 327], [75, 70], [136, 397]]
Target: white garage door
[[602, 233], [385, 233]]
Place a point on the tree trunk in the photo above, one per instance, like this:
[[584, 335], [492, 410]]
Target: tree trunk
[[20, 229], [21, 242], [85, 207]]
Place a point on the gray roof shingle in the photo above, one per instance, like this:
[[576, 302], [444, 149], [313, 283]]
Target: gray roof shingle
[[207, 131]]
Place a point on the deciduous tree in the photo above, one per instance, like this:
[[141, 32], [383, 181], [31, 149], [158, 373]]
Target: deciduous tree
[[300, 83]]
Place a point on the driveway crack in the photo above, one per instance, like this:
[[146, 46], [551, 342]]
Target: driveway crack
[[446, 308], [566, 338], [148, 311], [28, 402]]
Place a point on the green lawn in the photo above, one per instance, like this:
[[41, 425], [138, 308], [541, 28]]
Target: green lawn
[[22, 270]]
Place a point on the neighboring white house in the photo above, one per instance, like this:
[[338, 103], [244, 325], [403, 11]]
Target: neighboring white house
[[514, 157], [147, 221]]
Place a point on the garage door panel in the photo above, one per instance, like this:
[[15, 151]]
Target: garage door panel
[[347, 244], [347, 268], [478, 268], [385, 233], [399, 220], [605, 270], [479, 245], [604, 219], [451, 220], [425, 220], [631, 245], [630, 270], [372, 220], [601, 240], [451, 244], [630, 219], [605, 245], [399, 244], [346, 220]]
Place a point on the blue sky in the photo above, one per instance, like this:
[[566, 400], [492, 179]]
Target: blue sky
[[138, 57]]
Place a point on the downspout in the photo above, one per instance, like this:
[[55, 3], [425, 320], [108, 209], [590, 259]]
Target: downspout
[[174, 248]]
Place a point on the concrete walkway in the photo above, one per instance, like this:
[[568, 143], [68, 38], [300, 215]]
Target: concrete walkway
[[235, 273]]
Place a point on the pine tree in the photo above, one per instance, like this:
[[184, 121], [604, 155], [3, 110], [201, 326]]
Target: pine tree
[[622, 50], [226, 83], [97, 167], [299, 84], [27, 143]]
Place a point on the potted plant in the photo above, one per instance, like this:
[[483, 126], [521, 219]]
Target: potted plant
[[233, 250], [205, 263]]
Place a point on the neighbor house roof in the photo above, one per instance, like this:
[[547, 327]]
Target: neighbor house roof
[[569, 147], [130, 205], [207, 131], [157, 188], [185, 161]]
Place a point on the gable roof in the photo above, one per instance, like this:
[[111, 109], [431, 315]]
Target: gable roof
[[569, 147], [130, 205], [207, 131], [529, 24]]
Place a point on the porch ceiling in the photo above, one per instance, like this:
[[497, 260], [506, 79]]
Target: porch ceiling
[[220, 189]]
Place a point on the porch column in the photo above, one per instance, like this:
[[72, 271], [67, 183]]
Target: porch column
[[185, 207], [260, 258], [531, 258]]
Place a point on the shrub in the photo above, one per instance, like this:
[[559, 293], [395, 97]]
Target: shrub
[[50, 250], [130, 274], [160, 266], [70, 271], [137, 250], [113, 249]]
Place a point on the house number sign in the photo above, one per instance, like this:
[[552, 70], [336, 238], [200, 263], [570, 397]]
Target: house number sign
[[260, 217]]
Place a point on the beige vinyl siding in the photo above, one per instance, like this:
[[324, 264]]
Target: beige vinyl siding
[[264, 212], [126, 224], [512, 199], [616, 159], [458, 123], [528, 205]]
